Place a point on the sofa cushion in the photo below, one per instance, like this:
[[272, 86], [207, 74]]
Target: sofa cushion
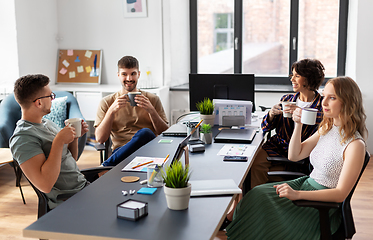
[[58, 112]]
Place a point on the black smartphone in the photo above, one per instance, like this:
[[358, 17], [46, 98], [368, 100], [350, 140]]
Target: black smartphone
[[235, 158]]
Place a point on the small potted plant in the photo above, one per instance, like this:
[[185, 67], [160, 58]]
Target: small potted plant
[[176, 186], [206, 109], [206, 133]]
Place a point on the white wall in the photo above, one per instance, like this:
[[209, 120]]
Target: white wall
[[360, 55], [99, 24], [36, 23], [8, 46], [176, 41]]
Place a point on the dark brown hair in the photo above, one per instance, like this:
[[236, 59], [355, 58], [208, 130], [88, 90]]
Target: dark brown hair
[[312, 70], [27, 88], [128, 62]]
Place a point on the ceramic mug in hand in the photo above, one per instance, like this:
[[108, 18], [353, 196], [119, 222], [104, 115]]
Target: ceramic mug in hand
[[287, 115], [309, 116], [75, 123], [131, 97]]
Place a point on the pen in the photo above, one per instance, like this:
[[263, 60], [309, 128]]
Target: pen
[[166, 158], [156, 170], [141, 164], [195, 128], [199, 123]]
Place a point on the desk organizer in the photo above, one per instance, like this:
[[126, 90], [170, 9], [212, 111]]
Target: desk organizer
[[132, 210]]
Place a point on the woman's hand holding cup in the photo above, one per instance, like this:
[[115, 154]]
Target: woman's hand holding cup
[[275, 110], [297, 115]]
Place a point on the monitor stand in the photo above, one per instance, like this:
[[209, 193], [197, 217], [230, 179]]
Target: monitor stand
[[186, 155]]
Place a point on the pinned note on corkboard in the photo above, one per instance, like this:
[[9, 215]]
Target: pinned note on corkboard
[[79, 66]]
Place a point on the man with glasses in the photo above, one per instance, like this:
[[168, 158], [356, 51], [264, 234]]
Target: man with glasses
[[52, 96], [46, 154], [130, 127]]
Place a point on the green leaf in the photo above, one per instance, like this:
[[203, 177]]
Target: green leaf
[[205, 107], [176, 175]]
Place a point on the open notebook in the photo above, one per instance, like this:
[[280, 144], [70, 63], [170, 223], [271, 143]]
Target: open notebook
[[214, 187]]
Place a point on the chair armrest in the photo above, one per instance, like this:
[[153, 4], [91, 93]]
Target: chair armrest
[[99, 146], [286, 174], [284, 160], [316, 204], [65, 196], [91, 174], [263, 108]]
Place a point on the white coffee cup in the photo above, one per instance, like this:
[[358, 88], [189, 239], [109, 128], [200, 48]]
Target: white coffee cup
[[287, 115], [75, 123], [131, 97], [309, 116]]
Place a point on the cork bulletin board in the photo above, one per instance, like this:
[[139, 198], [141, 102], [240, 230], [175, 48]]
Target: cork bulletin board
[[79, 66]]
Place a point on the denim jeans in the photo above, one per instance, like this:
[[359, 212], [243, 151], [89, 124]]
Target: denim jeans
[[142, 137]]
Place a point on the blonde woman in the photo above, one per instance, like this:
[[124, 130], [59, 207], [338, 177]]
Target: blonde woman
[[336, 152]]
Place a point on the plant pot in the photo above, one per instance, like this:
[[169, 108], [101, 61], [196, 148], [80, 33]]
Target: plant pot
[[178, 198], [208, 119], [206, 138]]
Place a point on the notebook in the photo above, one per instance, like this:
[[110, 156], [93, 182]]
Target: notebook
[[214, 187], [178, 129], [236, 135]]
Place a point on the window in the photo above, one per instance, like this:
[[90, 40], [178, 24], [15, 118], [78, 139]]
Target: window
[[265, 37], [223, 32]]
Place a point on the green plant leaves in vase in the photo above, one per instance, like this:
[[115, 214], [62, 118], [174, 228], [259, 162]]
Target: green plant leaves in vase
[[205, 128], [176, 175], [205, 107]]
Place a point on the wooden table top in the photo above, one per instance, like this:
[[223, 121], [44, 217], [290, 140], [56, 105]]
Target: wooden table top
[[5, 156]]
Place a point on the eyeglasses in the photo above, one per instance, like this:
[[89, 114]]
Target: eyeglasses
[[52, 96]]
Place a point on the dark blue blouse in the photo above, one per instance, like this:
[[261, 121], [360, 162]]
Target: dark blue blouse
[[278, 144]]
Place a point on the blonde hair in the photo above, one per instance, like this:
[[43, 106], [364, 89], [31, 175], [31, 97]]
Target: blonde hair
[[352, 113]]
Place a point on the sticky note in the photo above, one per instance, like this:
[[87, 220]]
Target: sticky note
[[88, 54], [88, 69], [66, 63], [63, 71], [70, 52], [147, 191], [72, 74], [80, 69]]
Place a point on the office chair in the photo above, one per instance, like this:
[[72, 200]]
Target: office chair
[[347, 228], [292, 169], [105, 150], [91, 174]]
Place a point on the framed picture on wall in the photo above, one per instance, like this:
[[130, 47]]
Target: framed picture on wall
[[134, 8]]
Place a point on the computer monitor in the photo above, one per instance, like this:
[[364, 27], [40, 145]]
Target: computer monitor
[[220, 86]]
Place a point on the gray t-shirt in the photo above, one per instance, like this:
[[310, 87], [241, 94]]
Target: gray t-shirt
[[31, 139]]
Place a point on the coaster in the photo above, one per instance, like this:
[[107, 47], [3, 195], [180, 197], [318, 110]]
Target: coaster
[[130, 179]]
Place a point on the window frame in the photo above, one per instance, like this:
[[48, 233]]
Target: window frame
[[293, 52]]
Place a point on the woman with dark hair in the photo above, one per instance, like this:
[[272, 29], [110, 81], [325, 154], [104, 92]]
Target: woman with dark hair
[[306, 78], [336, 151]]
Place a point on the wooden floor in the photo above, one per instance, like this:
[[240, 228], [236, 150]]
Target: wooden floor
[[15, 216]]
